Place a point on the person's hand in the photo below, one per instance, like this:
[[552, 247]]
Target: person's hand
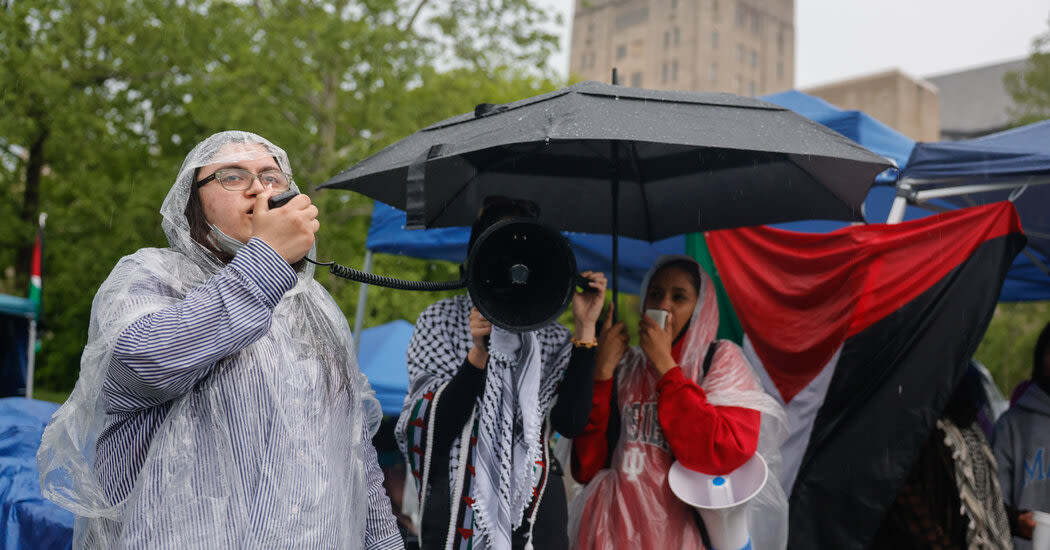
[[480, 328], [587, 306], [656, 343], [612, 344], [290, 229], [1026, 524]]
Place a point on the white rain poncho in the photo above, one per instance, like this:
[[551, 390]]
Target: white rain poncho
[[263, 442], [630, 504]]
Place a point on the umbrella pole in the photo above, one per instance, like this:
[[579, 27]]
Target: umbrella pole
[[615, 226]]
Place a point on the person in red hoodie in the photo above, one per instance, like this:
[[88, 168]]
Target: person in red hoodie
[[680, 395]]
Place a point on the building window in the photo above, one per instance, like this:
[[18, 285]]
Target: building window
[[674, 71], [674, 5], [780, 70], [714, 73], [677, 36], [667, 39], [754, 58], [636, 80], [780, 42], [631, 18], [751, 89], [663, 73], [756, 25], [714, 40], [621, 51], [741, 15], [740, 54], [739, 84], [637, 48]]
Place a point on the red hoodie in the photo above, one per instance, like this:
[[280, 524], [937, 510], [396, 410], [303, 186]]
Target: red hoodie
[[703, 437]]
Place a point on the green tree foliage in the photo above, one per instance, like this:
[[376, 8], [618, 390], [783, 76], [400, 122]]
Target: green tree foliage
[[101, 101], [1030, 87], [1007, 346]]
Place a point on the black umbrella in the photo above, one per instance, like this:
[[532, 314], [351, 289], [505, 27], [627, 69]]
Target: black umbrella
[[647, 164]]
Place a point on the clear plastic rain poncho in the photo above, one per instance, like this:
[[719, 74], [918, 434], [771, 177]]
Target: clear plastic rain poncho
[[267, 450], [630, 504]]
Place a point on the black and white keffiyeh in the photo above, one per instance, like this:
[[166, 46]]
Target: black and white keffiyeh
[[521, 383]]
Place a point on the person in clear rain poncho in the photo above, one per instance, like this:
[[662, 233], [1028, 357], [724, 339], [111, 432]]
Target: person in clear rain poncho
[[219, 403], [680, 395]]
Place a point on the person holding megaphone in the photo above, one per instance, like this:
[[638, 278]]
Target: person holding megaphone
[[219, 403], [680, 395], [482, 405]]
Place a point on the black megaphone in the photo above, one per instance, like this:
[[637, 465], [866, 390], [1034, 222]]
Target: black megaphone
[[521, 275]]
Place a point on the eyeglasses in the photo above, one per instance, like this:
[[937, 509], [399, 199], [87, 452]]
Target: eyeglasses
[[238, 179]]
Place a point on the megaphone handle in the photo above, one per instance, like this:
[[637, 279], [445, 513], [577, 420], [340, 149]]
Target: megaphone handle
[[584, 283]]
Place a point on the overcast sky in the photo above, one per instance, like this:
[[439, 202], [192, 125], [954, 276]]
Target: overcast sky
[[837, 39]]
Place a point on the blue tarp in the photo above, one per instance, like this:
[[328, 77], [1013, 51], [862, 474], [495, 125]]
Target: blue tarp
[[29, 520], [1017, 155]]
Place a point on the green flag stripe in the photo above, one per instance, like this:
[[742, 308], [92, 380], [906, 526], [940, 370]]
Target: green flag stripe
[[729, 327]]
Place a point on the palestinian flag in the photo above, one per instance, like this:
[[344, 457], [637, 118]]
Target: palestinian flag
[[863, 334], [37, 270]]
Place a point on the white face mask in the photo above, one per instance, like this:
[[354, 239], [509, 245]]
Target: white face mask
[[223, 241]]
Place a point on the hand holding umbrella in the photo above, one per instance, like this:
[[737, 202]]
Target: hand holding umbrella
[[587, 306], [612, 344]]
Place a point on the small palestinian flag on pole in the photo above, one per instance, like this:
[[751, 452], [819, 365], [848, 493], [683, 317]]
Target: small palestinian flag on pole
[[36, 272], [863, 335], [36, 296]]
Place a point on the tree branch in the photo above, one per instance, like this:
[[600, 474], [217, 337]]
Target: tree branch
[[415, 14]]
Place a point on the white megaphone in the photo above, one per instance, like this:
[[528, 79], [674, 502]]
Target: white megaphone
[[721, 500]]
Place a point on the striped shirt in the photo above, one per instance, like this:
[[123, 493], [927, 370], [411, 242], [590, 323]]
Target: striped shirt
[[164, 355]]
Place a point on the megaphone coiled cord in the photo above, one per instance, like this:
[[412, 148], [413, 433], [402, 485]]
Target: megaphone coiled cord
[[388, 282]]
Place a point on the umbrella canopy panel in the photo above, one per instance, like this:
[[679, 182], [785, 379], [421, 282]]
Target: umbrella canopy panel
[[684, 162]]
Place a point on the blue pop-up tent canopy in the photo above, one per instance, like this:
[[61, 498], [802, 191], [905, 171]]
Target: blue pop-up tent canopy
[[16, 328], [1010, 164], [990, 169], [381, 357]]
